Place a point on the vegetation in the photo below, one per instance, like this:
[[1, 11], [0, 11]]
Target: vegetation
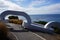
[[3, 27], [41, 22], [15, 20], [56, 30], [13, 17], [3, 31]]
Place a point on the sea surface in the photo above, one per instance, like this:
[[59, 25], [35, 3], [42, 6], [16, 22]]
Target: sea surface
[[46, 17], [43, 17]]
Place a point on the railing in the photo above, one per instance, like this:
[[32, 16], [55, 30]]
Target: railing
[[38, 28]]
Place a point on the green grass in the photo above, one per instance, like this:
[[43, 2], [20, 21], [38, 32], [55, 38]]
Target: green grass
[[57, 30], [41, 22]]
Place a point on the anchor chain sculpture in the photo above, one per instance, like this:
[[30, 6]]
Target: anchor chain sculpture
[[10, 12]]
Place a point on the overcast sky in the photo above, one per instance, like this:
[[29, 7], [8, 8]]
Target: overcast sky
[[31, 6]]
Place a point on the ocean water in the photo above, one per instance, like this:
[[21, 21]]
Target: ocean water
[[43, 17], [46, 17]]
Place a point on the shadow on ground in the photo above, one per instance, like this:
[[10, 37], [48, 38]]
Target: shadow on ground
[[27, 30]]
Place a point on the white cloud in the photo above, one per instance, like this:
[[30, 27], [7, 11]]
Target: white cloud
[[38, 3], [16, 0], [19, 0], [8, 5], [45, 9]]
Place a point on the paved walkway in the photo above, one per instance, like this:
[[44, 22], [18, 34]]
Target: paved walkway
[[14, 26], [26, 36], [23, 35]]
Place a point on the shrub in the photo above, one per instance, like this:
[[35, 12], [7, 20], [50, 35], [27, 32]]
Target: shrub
[[57, 30], [3, 31], [16, 21], [13, 17], [41, 22], [3, 28]]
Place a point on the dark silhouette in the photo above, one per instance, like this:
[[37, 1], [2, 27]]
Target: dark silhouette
[[13, 17], [3, 31]]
